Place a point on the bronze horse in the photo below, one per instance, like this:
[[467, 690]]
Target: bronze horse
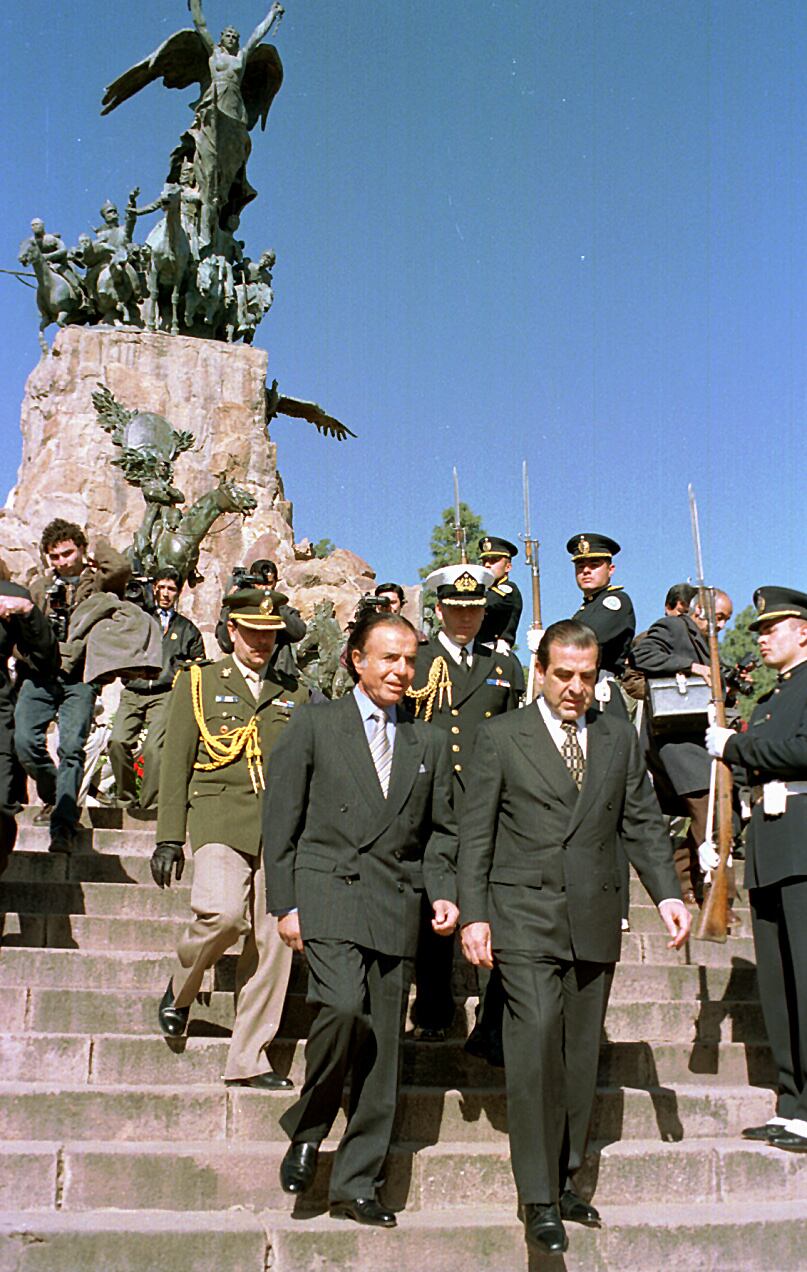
[[57, 298], [177, 536]]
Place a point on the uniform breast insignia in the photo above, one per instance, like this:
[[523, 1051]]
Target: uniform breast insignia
[[225, 673], [500, 684], [612, 602], [283, 705], [437, 686], [500, 671], [173, 636], [504, 589], [226, 697]]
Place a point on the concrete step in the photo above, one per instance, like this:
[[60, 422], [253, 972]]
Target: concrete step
[[60, 1110], [123, 899], [136, 1241], [132, 970], [103, 1059], [215, 1176], [124, 861], [56, 1010], [88, 932], [741, 1236], [137, 839]]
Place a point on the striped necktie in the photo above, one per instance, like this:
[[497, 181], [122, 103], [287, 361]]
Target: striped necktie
[[380, 750], [572, 752]]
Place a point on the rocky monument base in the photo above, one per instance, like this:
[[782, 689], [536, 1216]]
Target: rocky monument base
[[214, 390]]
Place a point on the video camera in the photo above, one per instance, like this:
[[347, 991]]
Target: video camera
[[371, 604], [140, 591], [59, 612], [243, 578], [734, 677]]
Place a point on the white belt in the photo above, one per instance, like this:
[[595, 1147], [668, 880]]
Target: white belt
[[776, 794]]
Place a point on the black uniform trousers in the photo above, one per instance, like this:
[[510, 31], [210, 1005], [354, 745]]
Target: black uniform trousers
[[361, 996], [779, 921], [553, 1018]]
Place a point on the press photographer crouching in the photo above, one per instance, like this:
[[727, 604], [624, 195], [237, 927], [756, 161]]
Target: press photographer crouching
[[143, 702], [64, 697]]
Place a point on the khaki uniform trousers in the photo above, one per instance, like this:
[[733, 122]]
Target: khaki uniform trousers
[[228, 898]]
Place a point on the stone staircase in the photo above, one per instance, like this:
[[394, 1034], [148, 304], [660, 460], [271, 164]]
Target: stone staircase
[[124, 1153]]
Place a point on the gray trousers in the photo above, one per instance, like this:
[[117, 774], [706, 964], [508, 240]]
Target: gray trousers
[[356, 1034], [553, 1018]]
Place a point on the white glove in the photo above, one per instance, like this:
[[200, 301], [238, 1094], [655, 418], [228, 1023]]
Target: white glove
[[709, 859], [716, 739], [534, 635]]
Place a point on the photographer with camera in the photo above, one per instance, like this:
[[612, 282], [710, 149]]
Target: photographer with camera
[[143, 702], [46, 696], [262, 573]]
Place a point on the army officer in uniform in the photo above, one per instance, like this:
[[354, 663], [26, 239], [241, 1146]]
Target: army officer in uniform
[[459, 683], [773, 752], [224, 719], [607, 609], [504, 601]]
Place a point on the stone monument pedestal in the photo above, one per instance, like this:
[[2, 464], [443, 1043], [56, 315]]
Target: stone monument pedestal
[[217, 392]]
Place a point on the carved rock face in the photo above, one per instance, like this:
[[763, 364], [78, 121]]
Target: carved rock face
[[213, 390]]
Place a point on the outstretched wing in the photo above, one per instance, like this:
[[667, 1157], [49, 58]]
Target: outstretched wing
[[181, 60], [277, 404], [263, 76]]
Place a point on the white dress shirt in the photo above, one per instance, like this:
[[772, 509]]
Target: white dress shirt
[[555, 725], [254, 679], [454, 650]]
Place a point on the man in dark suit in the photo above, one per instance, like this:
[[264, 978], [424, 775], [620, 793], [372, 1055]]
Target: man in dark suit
[[773, 752], [357, 823], [677, 758], [459, 682], [550, 789]]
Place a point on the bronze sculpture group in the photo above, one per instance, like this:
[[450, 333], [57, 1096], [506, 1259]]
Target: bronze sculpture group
[[191, 275]]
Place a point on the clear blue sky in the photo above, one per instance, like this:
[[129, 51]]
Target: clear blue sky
[[571, 231]]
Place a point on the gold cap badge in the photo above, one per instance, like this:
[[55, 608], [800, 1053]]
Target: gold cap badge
[[583, 546], [466, 583], [486, 545], [761, 604]]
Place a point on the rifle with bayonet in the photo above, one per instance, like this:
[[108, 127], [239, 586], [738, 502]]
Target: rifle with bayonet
[[531, 546], [460, 534], [714, 918]]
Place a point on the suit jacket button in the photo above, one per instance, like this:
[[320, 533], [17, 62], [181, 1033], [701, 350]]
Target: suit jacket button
[[455, 728], [487, 715], [343, 808], [398, 855], [605, 887], [400, 887], [455, 747], [348, 882]]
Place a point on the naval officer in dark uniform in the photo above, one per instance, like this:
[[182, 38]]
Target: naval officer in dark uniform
[[607, 609], [459, 683], [773, 753], [504, 601]]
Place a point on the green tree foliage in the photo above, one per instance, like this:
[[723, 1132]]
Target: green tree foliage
[[324, 547], [444, 548], [735, 644]]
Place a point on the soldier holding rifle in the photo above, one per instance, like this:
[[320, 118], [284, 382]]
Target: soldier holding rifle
[[773, 753]]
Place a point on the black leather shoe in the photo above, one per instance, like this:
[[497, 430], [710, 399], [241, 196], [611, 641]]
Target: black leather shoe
[[575, 1210], [42, 815], [263, 1082], [544, 1230], [173, 1020], [791, 1141], [298, 1167], [487, 1046], [364, 1210], [61, 840], [768, 1133]]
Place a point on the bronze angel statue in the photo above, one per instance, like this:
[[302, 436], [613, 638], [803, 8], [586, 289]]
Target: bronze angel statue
[[238, 84]]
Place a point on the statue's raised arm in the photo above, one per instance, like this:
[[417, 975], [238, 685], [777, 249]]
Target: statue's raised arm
[[200, 23], [263, 28]]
